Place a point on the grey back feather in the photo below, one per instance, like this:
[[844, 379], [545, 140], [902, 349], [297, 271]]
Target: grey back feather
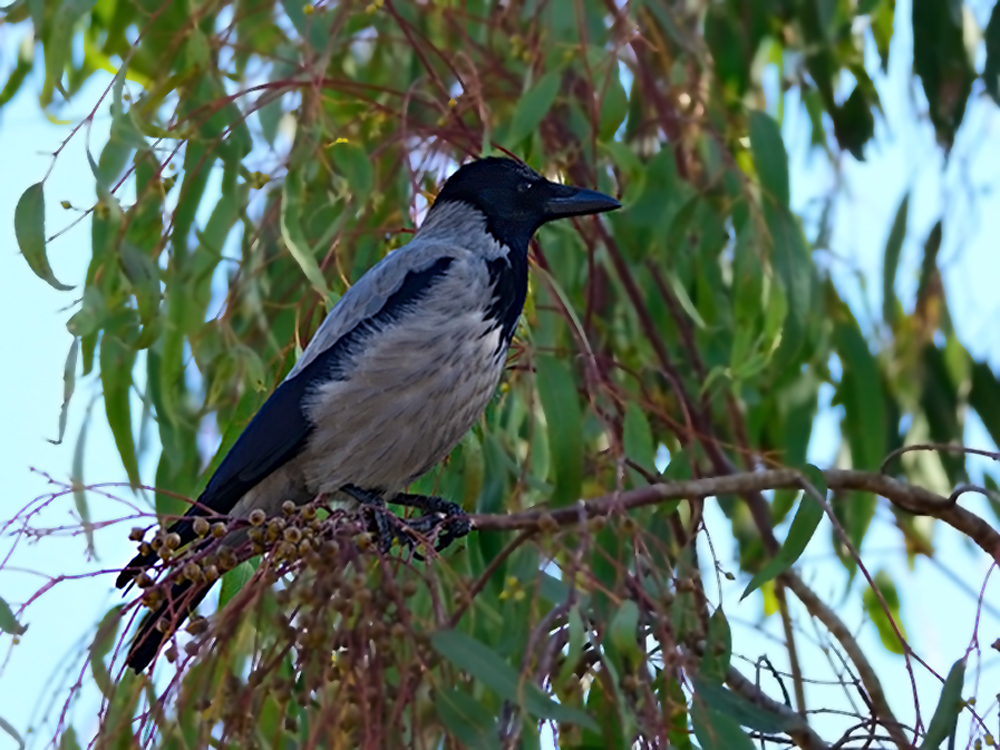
[[451, 229]]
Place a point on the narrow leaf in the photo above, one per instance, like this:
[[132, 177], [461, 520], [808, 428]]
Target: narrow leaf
[[736, 707], [104, 639], [294, 237], [985, 398], [557, 393], [860, 393], [466, 719], [69, 384], [893, 246], [949, 705], [716, 730], [623, 632], [576, 640], [991, 72], [233, 581], [942, 62], [718, 648], [791, 259], [886, 622], [637, 438], [117, 359], [807, 518], [29, 227], [79, 489], [144, 277], [533, 106], [486, 665], [769, 156]]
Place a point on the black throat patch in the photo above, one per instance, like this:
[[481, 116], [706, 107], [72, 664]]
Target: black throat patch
[[509, 284]]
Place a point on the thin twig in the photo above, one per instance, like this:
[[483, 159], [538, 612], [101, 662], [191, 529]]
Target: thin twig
[[944, 447]]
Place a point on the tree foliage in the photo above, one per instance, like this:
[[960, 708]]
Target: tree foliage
[[670, 353]]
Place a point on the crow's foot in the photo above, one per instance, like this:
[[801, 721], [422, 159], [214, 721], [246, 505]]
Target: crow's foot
[[437, 513]]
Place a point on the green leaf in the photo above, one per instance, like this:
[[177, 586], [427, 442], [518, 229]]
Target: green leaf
[[681, 293], [985, 398], [469, 721], [945, 719], [25, 62], [294, 237], [486, 665], [718, 648], [881, 19], [613, 108], [769, 156], [557, 392], [198, 161], [804, 525], [355, 165], [8, 623], [606, 703], [68, 741], [58, 43], [91, 316], [893, 246], [853, 121], [637, 438], [29, 227], [941, 402], [533, 106], [104, 639], [79, 489], [576, 642], [234, 580], [69, 385], [734, 706], [880, 617], [942, 62], [117, 359], [994, 492], [793, 263], [144, 277], [991, 72], [623, 633], [717, 731], [860, 393]]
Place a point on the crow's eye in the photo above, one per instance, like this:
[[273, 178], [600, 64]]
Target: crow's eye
[[524, 187]]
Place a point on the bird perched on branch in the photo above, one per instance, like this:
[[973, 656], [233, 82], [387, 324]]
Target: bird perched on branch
[[399, 370]]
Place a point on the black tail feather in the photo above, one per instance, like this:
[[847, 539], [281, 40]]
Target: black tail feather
[[181, 602], [184, 527], [137, 565]]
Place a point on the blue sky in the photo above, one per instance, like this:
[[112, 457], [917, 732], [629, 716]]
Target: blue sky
[[938, 611]]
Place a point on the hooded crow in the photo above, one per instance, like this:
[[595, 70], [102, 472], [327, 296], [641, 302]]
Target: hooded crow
[[397, 373]]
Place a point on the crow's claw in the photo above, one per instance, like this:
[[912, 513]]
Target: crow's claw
[[438, 515]]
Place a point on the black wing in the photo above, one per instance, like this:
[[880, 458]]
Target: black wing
[[279, 430], [275, 435]]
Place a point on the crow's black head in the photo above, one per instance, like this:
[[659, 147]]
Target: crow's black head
[[517, 200]]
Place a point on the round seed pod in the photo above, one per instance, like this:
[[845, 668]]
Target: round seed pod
[[200, 526]]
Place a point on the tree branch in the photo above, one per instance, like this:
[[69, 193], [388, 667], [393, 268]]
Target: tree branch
[[907, 497]]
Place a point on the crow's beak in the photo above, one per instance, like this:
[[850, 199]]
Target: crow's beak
[[573, 201]]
